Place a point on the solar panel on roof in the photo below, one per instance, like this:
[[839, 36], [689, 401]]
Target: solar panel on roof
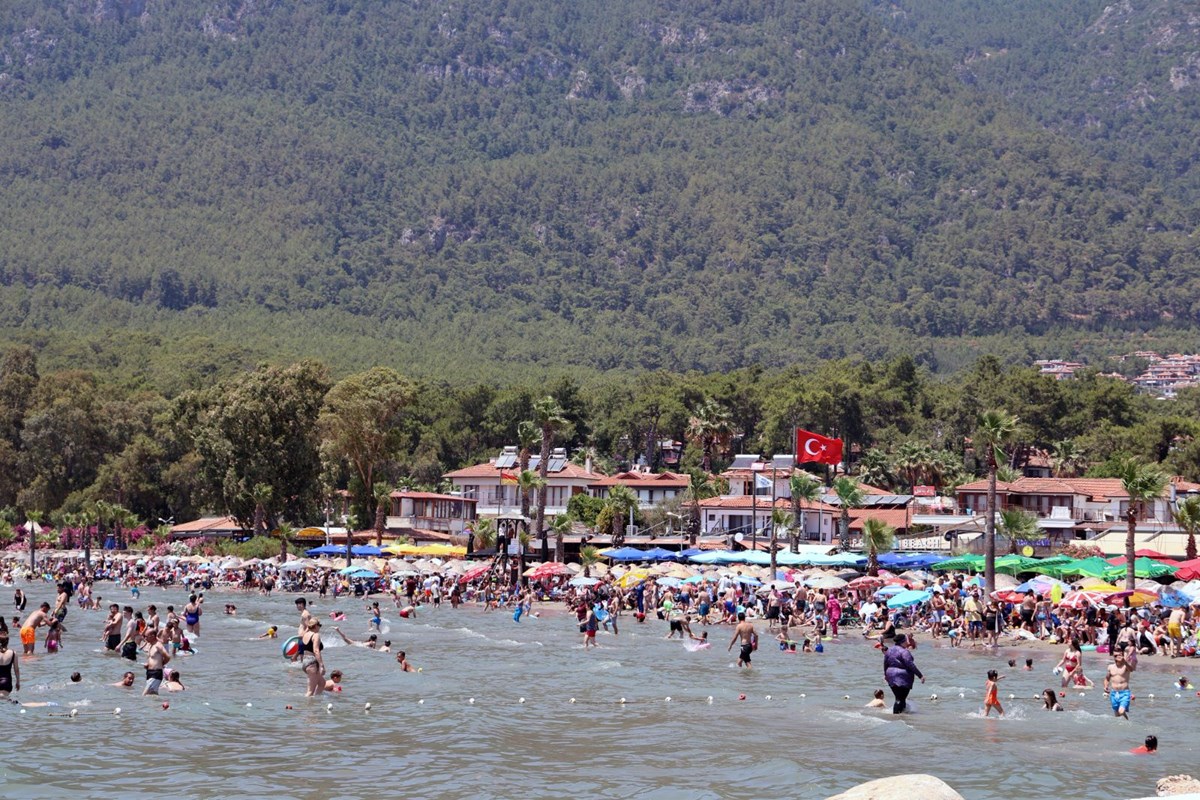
[[556, 464], [506, 460], [783, 462], [744, 461]]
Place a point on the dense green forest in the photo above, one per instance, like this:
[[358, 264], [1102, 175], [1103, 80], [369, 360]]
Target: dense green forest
[[274, 443], [505, 189]]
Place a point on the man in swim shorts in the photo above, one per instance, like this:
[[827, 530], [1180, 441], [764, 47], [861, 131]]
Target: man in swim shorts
[[1116, 683], [745, 632], [156, 659], [112, 628], [29, 628]]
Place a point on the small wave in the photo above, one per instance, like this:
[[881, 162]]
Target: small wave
[[79, 703]]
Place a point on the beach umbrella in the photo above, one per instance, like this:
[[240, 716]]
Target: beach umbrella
[[972, 563], [1137, 597], [698, 579], [1081, 599], [1174, 598], [582, 582], [632, 578], [827, 582], [1097, 585], [669, 582], [549, 570], [865, 582], [889, 591], [1008, 596], [909, 597], [477, 571]]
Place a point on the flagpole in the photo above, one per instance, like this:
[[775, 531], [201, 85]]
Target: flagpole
[[753, 508]]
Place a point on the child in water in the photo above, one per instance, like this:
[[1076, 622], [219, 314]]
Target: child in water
[[1050, 701], [878, 701], [991, 694]]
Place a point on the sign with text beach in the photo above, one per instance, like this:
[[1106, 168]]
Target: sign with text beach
[[812, 447]]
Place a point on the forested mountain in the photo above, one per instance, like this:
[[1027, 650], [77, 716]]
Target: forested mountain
[[492, 187]]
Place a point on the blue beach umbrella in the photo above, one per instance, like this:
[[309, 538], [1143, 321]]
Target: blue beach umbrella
[[911, 597], [891, 590]]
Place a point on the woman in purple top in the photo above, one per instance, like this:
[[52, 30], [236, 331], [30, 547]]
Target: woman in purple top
[[899, 670]]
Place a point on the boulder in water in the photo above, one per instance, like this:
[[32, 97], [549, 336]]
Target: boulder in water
[[901, 787], [1175, 785]]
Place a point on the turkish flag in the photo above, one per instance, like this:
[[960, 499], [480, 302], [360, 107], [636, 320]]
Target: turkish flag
[[815, 447]]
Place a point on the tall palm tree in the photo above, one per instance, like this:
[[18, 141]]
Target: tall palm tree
[[781, 519], [806, 490], [529, 482], [710, 428], [994, 430], [560, 527], [700, 487], [381, 493], [850, 495], [875, 468], [261, 495], [549, 418], [1144, 483], [1187, 517], [528, 436], [1017, 524], [878, 537], [621, 499]]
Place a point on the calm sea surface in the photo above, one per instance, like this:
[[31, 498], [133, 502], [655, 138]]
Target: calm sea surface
[[230, 736]]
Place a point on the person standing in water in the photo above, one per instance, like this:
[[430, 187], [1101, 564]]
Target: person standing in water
[[899, 669], [749, 637], [10, 668], [1116, 683], [191, 616], [29, 627], [156, 659], [305, 616]]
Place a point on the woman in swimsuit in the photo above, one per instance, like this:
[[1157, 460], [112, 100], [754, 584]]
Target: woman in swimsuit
[[10, 669], [310, 658], [1071, 661]]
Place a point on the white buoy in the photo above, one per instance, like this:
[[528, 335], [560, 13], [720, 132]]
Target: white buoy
[[572, 700], [622, 701], [961, 695], [471, 701], [933, 697], [420, 702], [667, 699], [710, 699], [1178, 696], [117, 711], [367, 707], [1083, 694], [521, 700], [249, 705], [1151, 697], [1012, 697], [22, 711], [419, 669], [845, 697], [768, 697], [74, 712], [329, 708]]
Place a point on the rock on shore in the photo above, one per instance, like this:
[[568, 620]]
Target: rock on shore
[[901, 787], [1175, 785]]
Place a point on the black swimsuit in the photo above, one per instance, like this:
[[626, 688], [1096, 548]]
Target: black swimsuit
[[6, 683]]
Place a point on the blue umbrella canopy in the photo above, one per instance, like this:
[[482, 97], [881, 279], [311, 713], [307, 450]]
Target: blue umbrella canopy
[[364, 550], [910, 597]]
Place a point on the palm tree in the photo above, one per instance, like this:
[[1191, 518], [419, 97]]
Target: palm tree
[[382, 494], [621, 499], [995, 428], [560, 527], [806, 490], [1017, 524], [1187, 517], [915, 461], [588, 556], [875, 468], [1144, 483], [284, 532], [850, 495], [548, 416], [528, 435], [780, 518], [700, 487], [261, 495], [529, 482], [711, 429], [484, 532], [878, 537], [1066, 459]]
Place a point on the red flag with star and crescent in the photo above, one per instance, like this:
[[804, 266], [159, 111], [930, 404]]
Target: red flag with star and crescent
[[812, 447]]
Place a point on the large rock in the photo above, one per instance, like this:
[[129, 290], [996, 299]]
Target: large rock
[[1174, 785], [901, 787]]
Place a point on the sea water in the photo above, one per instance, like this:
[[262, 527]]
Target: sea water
[[231, 734]]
